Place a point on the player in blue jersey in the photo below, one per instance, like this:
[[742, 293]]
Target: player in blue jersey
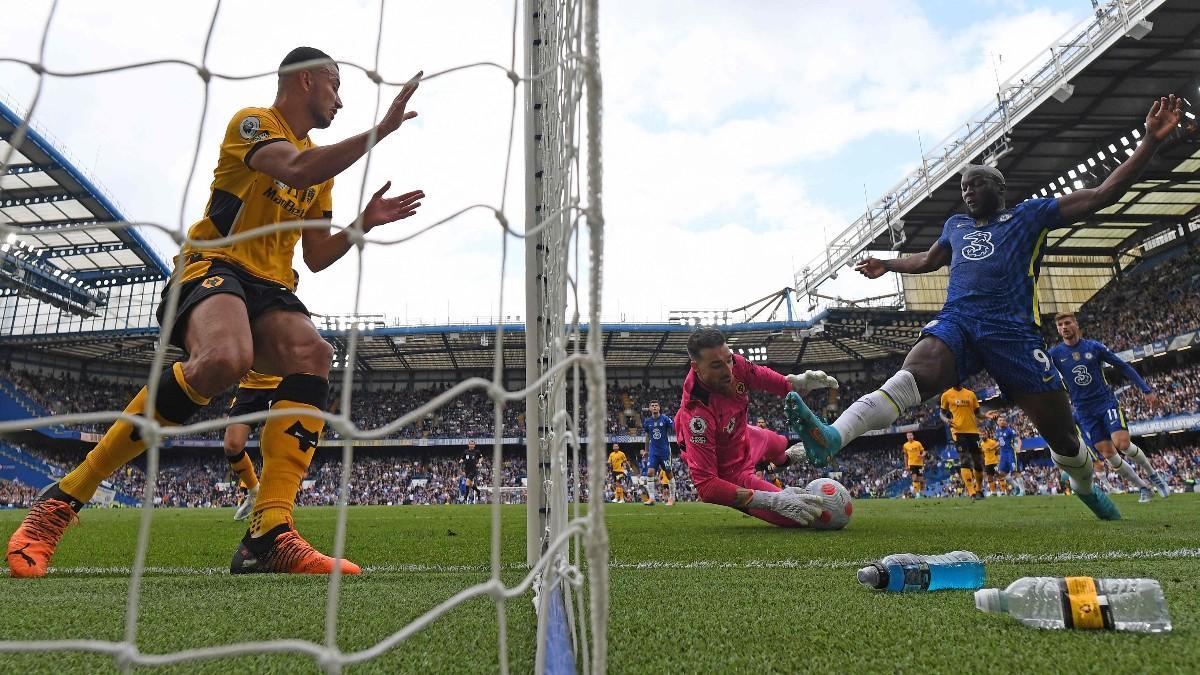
[[1097, 411], [658, 428], [991, 316], [1009, 441]]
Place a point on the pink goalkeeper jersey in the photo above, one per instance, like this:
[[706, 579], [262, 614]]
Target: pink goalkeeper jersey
[[712, 428]]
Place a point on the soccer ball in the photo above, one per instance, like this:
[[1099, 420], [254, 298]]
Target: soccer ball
[[837, 508]]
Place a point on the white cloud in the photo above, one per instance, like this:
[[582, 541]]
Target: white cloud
[[710, 108]]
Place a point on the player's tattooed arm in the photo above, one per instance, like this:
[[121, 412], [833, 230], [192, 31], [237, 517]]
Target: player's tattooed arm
[[1162, 119], [922, 263]]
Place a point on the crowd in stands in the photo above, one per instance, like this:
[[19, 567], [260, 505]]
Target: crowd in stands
[[15, 495], [1178, 393], [1141, 307], [203, 479], [1156, 303], [468, 415]]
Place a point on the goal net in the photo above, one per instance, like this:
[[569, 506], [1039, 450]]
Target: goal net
[[556, 94]]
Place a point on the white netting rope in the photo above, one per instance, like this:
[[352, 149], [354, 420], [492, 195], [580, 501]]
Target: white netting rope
[[568, 62]]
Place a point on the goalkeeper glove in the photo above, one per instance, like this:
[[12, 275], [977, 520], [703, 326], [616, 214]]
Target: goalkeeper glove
[[796, 454], [793, 503], [810, 380]]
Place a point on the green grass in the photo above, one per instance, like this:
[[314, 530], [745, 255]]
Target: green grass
[[755, 598]]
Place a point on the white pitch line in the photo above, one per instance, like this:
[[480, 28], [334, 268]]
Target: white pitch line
[[843, 564], [1001, 558]]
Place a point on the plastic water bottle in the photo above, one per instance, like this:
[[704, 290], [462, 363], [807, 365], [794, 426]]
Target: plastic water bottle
[[1135, 605], [909, 573]]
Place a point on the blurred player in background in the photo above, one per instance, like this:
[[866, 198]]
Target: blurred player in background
[[618, 465], [658, 429], [960, 411], [914, 455], [1097, 411], [470, 467], [990, 448], [1009, 441], [253, 395]]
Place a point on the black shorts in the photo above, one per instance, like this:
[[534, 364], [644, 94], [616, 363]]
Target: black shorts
[[990, 469], [969, 444], [916, 470], [249, 401], [222, 276], [618, 476]]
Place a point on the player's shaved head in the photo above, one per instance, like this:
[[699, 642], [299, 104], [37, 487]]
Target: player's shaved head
[[990, 172], [311, 57]]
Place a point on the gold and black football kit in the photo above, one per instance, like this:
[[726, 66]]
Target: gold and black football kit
[[253, 394], [259, 269]]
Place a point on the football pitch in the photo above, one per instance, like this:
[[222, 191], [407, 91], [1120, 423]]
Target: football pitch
[[694, 588]]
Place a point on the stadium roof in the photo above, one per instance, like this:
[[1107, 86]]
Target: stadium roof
[[835, 336], [41, 192], [1069, 120]]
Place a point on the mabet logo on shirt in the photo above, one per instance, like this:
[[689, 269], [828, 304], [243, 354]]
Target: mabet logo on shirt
[[981, 245]]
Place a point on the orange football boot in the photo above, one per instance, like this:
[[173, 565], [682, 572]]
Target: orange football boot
[[32, 545], [283, 550]]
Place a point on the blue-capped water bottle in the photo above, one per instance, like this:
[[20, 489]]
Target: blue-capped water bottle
[[910, 573]]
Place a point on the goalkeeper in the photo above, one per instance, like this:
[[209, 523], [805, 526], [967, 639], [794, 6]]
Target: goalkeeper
[[721, 449]]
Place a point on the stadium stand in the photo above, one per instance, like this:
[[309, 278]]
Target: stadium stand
[[1160, 300], [202, 479]]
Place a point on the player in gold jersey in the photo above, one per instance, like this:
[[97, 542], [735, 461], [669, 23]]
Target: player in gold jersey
[[618, 463], [991, 457], [960, 410], [253, 395], [237, 310], [914, 454]]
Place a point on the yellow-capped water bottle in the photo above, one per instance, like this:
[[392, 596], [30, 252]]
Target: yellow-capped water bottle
[[1135, 605]]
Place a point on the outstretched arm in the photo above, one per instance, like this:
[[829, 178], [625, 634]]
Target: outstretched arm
[[282, 161], [321, 249], [1160, 122], [922, 263], [1131, 374]]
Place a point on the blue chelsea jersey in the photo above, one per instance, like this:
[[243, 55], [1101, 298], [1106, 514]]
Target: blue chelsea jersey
[[658, 431], [1007, 438], [1083, 370], [994, 269]]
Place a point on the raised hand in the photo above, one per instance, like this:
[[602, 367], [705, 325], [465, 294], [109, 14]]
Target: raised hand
[[1164, 116], [381, 210], [397, 113], [810, 380], [871, 268]]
